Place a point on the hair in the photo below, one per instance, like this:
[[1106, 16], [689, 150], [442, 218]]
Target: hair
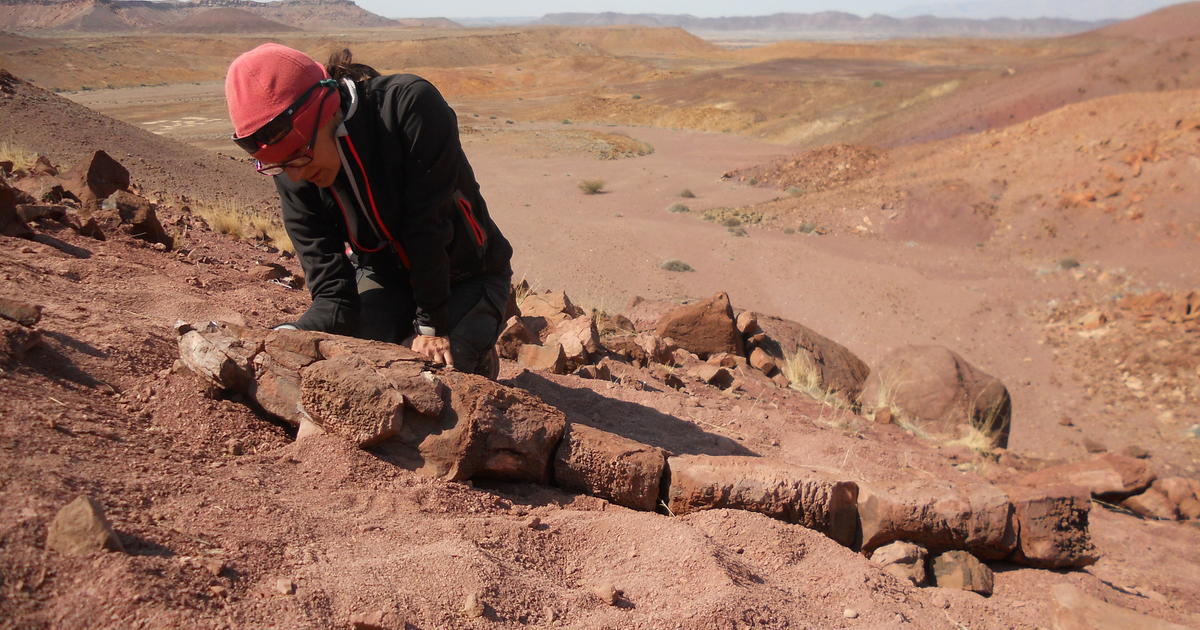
[[341, 66]]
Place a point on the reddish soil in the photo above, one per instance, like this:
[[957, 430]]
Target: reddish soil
[[999, 244]]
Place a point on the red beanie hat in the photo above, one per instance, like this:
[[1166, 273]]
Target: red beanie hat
[[264, 82]]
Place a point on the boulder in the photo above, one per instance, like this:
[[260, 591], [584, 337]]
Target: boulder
[[1052, 527], [941, 392], [644, 314], [80, 528], [514, 335], [11, 223], [939, 515], [1152, 504], [101, 176], [20, 312], [579, 339], [139, 217], [345, 396], [761, 361], [811, 360], [554, 306], [1109, 477], [903, 560], [609, 466], [703, 328], [656, 349], [747, 323], [550, 358], [488, 430], [276, 388], [1073, 610], [815, 499], [218, 354], [961, 570], [716, 376]]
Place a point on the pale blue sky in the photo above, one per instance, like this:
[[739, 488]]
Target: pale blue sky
[[1079, 9]]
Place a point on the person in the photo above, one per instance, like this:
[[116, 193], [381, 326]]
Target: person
[[379, 201]]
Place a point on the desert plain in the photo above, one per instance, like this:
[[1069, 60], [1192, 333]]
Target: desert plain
[[1029, 204]]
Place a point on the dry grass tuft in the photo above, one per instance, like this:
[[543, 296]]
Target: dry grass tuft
[[226, 216], [17, 155], [592, 186]]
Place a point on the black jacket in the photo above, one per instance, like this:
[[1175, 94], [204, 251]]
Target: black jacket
[[406, 201]]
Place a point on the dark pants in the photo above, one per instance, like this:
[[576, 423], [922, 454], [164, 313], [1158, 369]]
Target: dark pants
[[476, 311]]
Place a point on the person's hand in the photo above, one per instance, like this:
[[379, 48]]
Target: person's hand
[[436, 349]]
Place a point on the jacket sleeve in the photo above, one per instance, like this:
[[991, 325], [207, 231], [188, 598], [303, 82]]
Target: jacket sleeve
[[429, 131], [319, 240]]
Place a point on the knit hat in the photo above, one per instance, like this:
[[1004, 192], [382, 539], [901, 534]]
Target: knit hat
[[264, 82]]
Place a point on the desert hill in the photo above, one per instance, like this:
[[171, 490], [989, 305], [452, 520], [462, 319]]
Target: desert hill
[[832, 25], [130, 15], [1173, 22], [227, 20]]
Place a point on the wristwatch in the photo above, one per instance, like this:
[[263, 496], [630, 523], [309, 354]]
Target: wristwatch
[[428, 331]]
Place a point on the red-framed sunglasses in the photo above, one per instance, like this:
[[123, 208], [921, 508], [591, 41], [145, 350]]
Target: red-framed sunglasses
[[280, 127]]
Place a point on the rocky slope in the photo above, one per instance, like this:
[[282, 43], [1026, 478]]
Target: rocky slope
[[127, 15]]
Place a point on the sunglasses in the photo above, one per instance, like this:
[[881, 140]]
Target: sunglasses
[[279, 127]]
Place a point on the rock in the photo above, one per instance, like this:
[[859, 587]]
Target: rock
[[1092, 446], [1092, 320], [884, 415], [747, 323], [554, 306], [645, 314], [850, 613], [1052, 526], [780, 380], [939, 515], [961, 570], [1072, 610], [348, 398], [579, 339], [703, 328], [473, 605], [550, 358], [609, 466], [806, 496], [218, 355], [80, 529], [42, 167], [1109, 477], [818, 362], [101, 176], [608, 593], [939, 390], [903, 560], [139, 217], [598, 372], [276, 388], [268, 271], [713, 375], [377, 620], [1135, 451], [514, 335], [39, 212], [20, 312], [91, 229], [1176, 489], [657, 349], [1190, 508], [487, 431], [285, 586], [11, 223], [1151, 504], [725, 360], [760, 360]]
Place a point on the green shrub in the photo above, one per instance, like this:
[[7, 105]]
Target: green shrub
[[1068, 263], [808, 227], [731, 222], [678, 207], [687, 193], [795, 191], [676, 265], [877, 83], [738, 231], [637, 96]]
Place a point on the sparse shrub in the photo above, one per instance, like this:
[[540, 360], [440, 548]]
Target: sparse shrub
[[753, 181], [508, 122], [877, 83], [637, 96], [1068, 263], [592, 186], [678, 207], [566, 121], [789, 230], [808, 227], [687, 193], [676, 265], [738, 231], [491, 118], [795, 191], [731, 222]]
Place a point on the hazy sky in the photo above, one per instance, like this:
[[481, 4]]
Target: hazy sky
[[1080, 9]]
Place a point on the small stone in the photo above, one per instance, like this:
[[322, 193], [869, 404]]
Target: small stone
[[20, 312], [850, 613], [534, 523], [608, 593], [903, 560], [1133, 450], [80, 528], [285, 586], [473, 605], [214, 566], [883, 415], [234, 447], [1092, 446], [960, 569], [939, 601]]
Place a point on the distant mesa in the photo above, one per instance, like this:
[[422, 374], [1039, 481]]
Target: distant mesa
[[227, 20]]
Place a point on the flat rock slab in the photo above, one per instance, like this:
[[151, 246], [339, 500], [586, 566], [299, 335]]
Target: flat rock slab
[[961, 570], [1109, 477], [940, 515], [80, 528], [815, 499], [347, 397], [610, 466], [1052, 526]]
